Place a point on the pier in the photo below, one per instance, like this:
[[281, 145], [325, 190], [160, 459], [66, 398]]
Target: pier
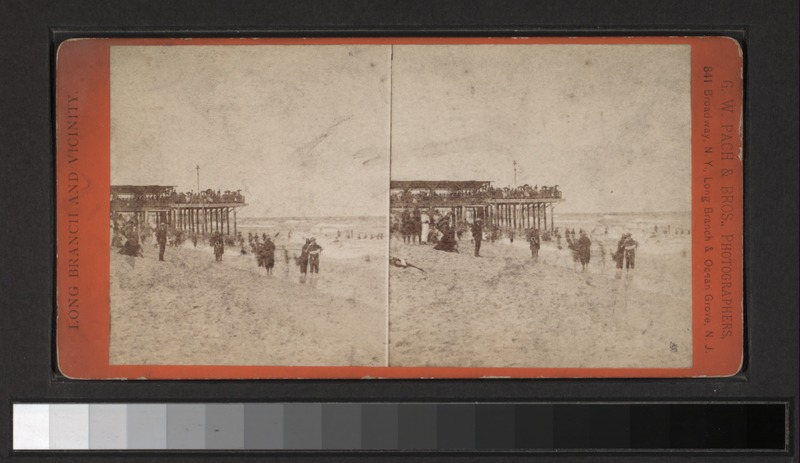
[[202, 213], [512, 208]]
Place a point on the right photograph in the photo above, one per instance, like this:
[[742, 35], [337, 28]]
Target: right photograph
[[540, 206]]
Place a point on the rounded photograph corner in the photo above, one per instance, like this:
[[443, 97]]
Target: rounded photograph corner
[[68, 370], [733, 43]]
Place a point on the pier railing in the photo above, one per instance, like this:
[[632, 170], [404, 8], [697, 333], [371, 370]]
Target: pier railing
[[130, 205]]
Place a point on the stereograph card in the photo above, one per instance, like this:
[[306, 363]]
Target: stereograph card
[[399, 208]]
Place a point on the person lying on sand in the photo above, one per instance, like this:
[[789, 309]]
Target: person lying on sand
[[398, 262]]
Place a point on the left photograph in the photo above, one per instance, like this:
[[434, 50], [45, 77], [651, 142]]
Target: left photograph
[[248, 205]]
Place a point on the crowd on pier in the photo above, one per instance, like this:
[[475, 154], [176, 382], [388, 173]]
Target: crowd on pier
[[477, 195], [166, 197]]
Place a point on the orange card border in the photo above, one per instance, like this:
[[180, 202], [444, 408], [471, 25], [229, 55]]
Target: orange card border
[[83, 208]]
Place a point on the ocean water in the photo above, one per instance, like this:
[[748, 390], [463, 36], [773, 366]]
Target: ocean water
[[340, 237], [634, 222], [331, 228], [304, 227]]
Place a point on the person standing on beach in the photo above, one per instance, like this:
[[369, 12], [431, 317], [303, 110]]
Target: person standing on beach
[[619, 255], [161, 238], [406, 226], [477, 235], [303, 260], [535, 243], [259, 253], [285, 258], [416, 220], [269, 255], [630, 252], [602, 253], [313, 255], [584, 250], [426, 229], [219, 246]]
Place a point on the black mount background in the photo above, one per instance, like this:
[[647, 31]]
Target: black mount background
[[31, 30]]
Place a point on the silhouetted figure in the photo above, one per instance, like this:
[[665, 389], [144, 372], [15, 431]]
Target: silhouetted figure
[[477, 235], [303, 260], [630, 252], [535, 243], [314, 251], [584, 250], [161, 238]]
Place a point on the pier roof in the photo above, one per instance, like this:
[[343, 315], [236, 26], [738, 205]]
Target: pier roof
[[435, 184], [141, 189]]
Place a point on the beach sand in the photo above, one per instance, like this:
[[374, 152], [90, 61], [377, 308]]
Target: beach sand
[[191, 310], [507, 310], [500, 310]]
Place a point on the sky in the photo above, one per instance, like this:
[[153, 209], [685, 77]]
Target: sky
[[301, 130], [310, 130], [609, 124]]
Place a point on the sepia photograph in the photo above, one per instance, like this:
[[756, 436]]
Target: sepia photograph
[[249, 205], [541, 206], [401, 205]]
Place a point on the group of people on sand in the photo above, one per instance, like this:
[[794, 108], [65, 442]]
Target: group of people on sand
[[309, 257], [264, 249], [128, 238], [449, 243], [479, 233], [625, 253], [580, 246], [217, 241], [429, 227], [350, 234], [413, 227]]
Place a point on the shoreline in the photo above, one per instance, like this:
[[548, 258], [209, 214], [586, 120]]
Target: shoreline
[[501, 310]]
